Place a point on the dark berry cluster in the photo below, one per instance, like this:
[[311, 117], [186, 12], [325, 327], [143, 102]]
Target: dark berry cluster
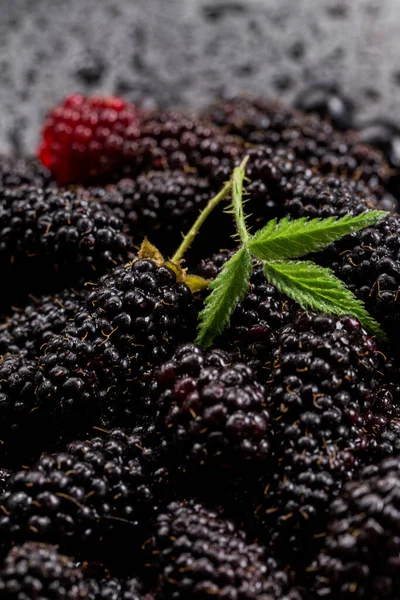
[[15, 172], [311, 138], [361, 552], [48, 236], [160, 205], [213, 410], [324, 378], [89, 498], [29, 328], [38, 571], [369, 263], [199, 554]]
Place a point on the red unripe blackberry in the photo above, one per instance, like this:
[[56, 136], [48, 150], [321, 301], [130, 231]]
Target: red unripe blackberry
[[309, 137], [86, 138], [200, 554], [89, 499], [38, 571], [324, 378], [27, 329], [213, 412], [360, 558]]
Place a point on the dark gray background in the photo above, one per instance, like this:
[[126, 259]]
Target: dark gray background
[[187, 52]]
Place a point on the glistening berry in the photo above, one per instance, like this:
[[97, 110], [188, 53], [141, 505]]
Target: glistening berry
[[83, 138]]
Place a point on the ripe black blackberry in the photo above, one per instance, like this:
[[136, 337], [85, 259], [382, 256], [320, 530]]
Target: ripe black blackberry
[[133, 320], [213, 412], [15, 172], [4, 477], [251, 335], [368, 262], [361, 552], [324, 378], [19, 428], [27, 329], [50, 238], [178, 140], [311, 138], [160, 205], [198, 554], [89, 499], [38, 571]]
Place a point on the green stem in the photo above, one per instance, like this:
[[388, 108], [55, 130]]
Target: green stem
[[237, 201], [193, 231]]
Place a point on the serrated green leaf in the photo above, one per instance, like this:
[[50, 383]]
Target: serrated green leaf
[[315, 287], [227, 289], [295, 238]]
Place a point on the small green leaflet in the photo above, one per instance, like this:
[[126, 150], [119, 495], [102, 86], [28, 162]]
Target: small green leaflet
[[229, 288], [317, 288], [294, 238]]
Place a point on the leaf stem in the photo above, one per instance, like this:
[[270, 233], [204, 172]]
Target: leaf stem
[[193, 231], [237, 201]]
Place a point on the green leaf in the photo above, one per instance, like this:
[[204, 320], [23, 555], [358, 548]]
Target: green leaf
[[227, 289], [317, 288], [294, 238], [237, 201]]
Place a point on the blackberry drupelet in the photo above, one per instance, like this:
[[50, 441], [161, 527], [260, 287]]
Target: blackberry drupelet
[[324, 378], [89, 499], [29, 328], [198, 554], [91, 374], [252, 333], [310, 138], [160, 205], [360, 558], [38, 571], [116, 589], [50, 238], [17, 171], [213, 412], [369, 263]]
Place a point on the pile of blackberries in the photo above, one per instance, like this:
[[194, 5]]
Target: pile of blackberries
[[134, 464]]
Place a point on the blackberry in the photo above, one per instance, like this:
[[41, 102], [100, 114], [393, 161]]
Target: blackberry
[[89, 499], [279, 185], [310, 138], [199, 554], [213, 411], [324, 378], [133, 320], [361, 553], [178, 140], [252, 333], [48, 237], [160, 205], [368, 262], [19, 428], [18, 171], [28, 329], [4, 477], [38, 571]]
